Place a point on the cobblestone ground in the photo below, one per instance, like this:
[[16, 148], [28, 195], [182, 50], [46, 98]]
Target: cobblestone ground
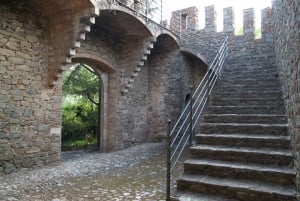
[[136, 173]]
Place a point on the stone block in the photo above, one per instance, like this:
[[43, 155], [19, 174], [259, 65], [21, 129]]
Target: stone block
[[43, 128], [9, 167], [7, 52], [6, 153]]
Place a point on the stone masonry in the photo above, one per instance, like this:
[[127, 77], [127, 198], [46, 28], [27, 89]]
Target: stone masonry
[[278, 28], [286, 27], [30, 117], [40, 40]]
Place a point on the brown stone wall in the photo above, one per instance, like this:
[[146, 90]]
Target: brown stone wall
[[206, 42], [127, 122], [131, 115], [171, 74], [29, 112], [184, 19], [101, 51], [287, 50], [160, 68]]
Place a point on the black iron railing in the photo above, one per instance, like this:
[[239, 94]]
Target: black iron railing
[[182, 133]]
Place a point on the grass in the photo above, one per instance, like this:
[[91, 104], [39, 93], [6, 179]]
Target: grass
[[77, 144]]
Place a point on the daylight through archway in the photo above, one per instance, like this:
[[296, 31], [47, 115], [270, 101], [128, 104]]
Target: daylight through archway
[[80, 108]]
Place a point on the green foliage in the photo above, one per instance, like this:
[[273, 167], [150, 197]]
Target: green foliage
[[70, 145], [239, 31], [81, 81], [80, 105], [78, 120], [150, 8], [258, 33]]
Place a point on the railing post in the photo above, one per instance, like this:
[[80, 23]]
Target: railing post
[[168, 175], [191, 116], [147, 9], [180, 23], [161, 14]]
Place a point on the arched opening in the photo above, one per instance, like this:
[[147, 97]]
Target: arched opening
[[81, 108]]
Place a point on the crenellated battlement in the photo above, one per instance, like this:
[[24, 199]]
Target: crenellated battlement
[[188, 19]]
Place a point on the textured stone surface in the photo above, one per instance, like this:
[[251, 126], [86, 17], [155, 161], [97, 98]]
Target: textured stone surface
[[240, 159], [25, 102], [38, 41], [38, 46], [287, 50], [136, 173]]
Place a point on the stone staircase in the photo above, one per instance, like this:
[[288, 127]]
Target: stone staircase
[[146, 52], [243, 149]]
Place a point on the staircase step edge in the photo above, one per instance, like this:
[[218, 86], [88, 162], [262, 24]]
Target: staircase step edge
[[240, 184], [241, 166]]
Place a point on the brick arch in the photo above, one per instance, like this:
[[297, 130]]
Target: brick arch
[[94, 60], [122, 24], [102, 69], [166, 42], [196, 56]]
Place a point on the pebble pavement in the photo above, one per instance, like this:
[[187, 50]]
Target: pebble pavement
[[136, 173]]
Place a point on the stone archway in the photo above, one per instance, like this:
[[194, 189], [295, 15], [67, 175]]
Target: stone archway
[[102, 70], [82, 91]]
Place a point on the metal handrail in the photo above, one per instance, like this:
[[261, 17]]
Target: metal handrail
[[178, 137]]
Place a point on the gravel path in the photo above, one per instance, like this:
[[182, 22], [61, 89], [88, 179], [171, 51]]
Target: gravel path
[[136, 173]]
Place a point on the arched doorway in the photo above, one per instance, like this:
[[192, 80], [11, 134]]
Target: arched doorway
[[81, 108]]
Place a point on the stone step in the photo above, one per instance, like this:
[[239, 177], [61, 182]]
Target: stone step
[[247, 94], [245, 110], [250, 81], [214, 101], [261, 70], [262, 156], [230, 128], [188, 196], [244, 140], [283, 175], [250, 71], [245, 190], [239, 89], [258, 68], [251, 61], [248, 75], [254, 87], [245, 118]]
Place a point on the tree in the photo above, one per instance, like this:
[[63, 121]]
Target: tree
[[81, 92], [83, 82]]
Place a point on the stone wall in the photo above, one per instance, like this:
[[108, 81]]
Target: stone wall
[[286, 15], [161, 65], [206, 42], [29, 112], [171, 73], [126, 118], [100, 51], [184, 19]]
